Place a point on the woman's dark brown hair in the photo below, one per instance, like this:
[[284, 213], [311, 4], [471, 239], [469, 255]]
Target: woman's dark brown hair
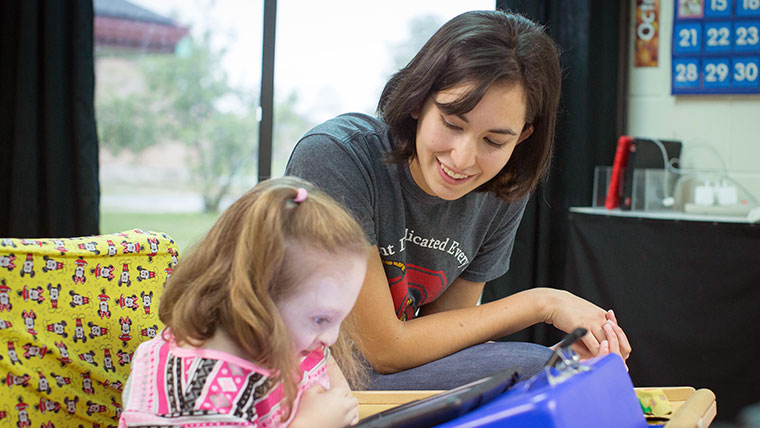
[[481, 48]]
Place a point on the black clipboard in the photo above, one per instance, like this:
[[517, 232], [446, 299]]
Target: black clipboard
[[445, 406]]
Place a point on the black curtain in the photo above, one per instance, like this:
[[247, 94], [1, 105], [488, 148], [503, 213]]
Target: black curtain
[[49, 147], [591, 36]]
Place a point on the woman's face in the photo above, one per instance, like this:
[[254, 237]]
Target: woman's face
[[313, 313], [458, 153]]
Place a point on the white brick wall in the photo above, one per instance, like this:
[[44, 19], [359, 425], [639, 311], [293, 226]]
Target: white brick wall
[[730, 124]]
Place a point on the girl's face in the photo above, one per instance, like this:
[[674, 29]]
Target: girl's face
[[458, 153], [324, 297]]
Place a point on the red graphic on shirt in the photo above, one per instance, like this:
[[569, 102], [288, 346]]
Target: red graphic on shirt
[[414, 287]]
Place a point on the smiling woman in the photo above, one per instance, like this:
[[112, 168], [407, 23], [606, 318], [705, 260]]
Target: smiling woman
[[439, 183]]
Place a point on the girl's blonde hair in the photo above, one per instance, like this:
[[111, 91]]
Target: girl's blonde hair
[[235, 276]]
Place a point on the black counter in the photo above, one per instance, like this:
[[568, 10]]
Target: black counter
[[686, 292]]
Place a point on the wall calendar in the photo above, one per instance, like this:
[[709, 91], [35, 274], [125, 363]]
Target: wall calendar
[[716, 47]]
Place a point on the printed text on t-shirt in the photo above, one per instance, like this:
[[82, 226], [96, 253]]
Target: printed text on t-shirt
[[447, 245]]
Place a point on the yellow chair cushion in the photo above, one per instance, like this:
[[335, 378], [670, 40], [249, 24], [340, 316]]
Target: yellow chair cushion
[[72, 313]]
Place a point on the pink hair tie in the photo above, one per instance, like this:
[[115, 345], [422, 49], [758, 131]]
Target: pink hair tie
[[301, 195]]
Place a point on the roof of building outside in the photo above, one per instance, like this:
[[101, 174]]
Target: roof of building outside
[[124, 9]]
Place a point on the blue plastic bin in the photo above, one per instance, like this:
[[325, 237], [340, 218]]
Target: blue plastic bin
[[600, 397]]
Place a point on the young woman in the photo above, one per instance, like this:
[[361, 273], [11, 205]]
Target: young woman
[[439, 183], [250, 316]]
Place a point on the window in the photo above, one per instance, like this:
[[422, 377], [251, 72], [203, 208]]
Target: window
[[177, 86], [177, 93]]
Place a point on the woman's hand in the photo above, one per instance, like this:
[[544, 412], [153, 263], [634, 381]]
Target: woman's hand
[[567, 312], [332, 408]]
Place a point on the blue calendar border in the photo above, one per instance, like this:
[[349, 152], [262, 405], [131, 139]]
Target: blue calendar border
[[701, 56]]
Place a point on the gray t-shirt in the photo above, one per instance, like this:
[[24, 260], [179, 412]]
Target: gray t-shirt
[[425, 242]]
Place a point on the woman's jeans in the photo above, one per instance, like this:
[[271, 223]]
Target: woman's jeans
[[465, 366]]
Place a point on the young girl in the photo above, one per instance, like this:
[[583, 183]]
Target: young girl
[[439, 181], [250, 316]]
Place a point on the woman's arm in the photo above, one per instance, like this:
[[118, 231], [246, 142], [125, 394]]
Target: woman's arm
[[464, 294], [460, 294], [391, 345]]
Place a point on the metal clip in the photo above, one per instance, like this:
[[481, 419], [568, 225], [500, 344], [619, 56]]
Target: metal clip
[[564, 362]]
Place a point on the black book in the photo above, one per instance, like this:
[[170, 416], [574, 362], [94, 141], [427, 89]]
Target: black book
[[447, 405]]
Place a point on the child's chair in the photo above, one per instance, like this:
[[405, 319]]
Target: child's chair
[[72, 313]]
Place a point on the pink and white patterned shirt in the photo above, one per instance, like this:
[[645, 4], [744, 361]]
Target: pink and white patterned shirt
[[172, 386]]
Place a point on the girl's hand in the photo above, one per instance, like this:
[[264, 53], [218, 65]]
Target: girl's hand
[[332, 408], [616, 341], [567, 312]]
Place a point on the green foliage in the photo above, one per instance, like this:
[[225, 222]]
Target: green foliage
[[192, 85], [123, 124]]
